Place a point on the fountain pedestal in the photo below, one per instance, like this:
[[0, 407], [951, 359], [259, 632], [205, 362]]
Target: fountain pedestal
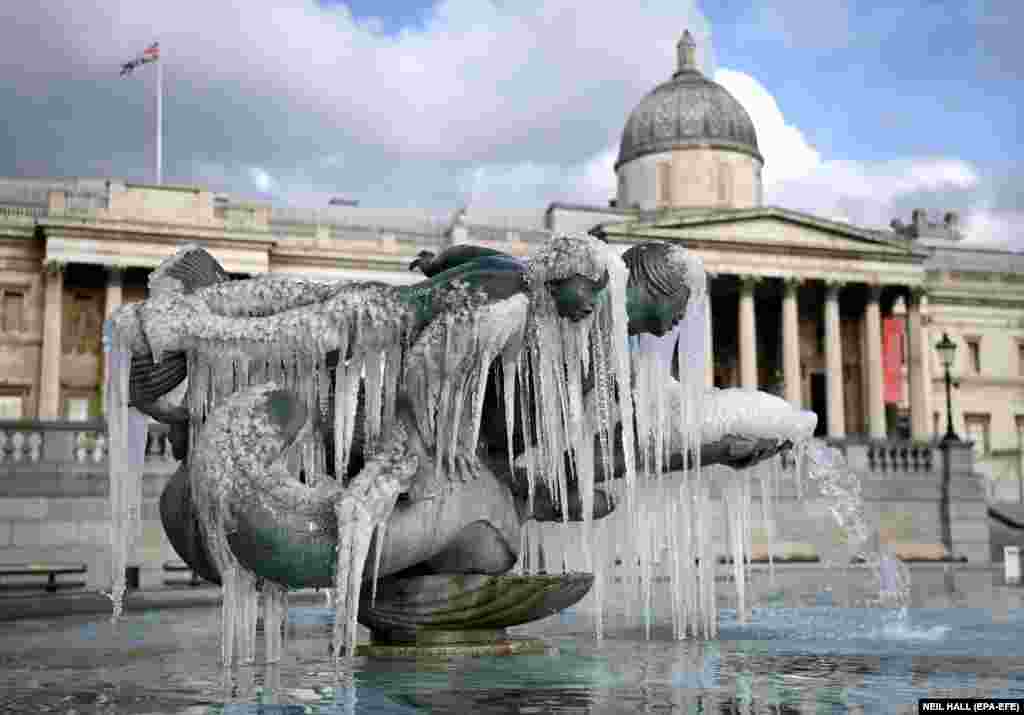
[[455, 614]]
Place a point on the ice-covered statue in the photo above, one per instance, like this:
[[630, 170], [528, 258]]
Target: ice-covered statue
[[332, 433]]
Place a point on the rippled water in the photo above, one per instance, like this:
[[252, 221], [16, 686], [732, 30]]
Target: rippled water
[[782, 660]]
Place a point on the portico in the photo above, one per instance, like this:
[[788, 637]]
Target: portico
[[797, 304]]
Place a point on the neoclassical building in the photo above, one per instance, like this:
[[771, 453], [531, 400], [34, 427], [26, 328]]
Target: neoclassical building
[[837, 318]]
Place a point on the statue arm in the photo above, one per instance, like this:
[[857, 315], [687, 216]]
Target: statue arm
[[264, 295], [176, 322]]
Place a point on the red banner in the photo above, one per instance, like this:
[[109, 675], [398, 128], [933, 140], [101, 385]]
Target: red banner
[[892, 359]]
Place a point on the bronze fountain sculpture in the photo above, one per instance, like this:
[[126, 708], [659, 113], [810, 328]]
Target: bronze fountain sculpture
[[336, 435]]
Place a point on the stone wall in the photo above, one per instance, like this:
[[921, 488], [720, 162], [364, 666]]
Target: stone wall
[[54, 505], [900, 486]]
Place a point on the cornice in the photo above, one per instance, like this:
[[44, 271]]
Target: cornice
[[682, 218], [111, 230]]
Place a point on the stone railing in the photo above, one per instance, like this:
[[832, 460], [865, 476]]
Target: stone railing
[[902, 456], [28, 442], [890, 457], [16, 212]]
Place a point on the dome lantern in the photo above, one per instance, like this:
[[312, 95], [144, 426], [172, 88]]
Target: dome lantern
[[686, 54]]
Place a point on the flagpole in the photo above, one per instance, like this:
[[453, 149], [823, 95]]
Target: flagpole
[[159, 120]]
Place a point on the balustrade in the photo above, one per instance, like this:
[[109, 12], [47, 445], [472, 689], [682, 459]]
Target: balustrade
[[20, 446], [30, 442], [901, 457]]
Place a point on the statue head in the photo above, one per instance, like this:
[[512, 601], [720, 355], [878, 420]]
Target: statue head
[[662, 279], [573, 271]]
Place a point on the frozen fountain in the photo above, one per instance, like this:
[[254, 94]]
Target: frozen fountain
[[393, 444]]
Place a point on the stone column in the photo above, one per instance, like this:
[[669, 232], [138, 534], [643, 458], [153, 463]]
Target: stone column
[[834, 362], [791, 342], [114, 299], [747, 334], [918, 366], [873, 358], [709, 334], [115, 294], [49, 369]]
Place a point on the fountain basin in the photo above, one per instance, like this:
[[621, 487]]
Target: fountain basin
[[470, 609]]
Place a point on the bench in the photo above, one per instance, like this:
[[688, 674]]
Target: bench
[[51, 571], [179, 567]]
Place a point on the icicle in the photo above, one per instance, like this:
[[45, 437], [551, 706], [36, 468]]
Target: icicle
[[509, 370], [442, 422], [275, 609], [526, 548], [355, 527], [346, 387], [382, 532], [767, 478], [126, 437], [599, 564], [478, 392], [524, 372], [392, 377], [374, 367], [228, 614]]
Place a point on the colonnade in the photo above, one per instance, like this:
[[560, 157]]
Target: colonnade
[[53, 321], [918, 364], [747, 358]]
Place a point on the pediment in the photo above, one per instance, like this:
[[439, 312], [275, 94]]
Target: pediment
[[771, 229]]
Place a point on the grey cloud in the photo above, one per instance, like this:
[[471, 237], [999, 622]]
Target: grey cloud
[[283, 85]]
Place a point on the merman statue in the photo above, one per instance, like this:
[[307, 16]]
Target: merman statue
[[313, 407], [657, 299]]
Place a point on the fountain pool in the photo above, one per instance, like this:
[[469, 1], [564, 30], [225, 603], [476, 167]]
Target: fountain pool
[[790, 656]]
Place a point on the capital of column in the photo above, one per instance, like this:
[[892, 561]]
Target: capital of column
[[54, 267], [918, 294], [874, 292], [115, 276], [748, 282], [791, 283], [832, 288]]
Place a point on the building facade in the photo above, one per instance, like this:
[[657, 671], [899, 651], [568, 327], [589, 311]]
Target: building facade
[[836, 318]]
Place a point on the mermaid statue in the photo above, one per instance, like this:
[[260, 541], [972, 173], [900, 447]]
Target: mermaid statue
[[336, 433]]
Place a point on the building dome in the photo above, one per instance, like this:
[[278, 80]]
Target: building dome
[[687, 111], [700, 135]]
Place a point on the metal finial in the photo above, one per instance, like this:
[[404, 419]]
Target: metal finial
[[686, 53]]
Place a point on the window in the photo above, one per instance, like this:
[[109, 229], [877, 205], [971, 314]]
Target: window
[[977, 426], [12, 310], [974, 355], [76, 409], [11, 407], [664, 183]]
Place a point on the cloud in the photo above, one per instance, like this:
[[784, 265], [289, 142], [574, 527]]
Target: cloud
[[492, 103], [284, 85], [872, 193], [786, 152]]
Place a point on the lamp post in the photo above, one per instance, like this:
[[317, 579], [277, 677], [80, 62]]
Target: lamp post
[[947, 351]]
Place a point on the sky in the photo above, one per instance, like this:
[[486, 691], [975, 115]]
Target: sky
[[864, 110]]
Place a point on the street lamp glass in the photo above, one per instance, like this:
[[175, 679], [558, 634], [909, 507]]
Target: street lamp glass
[[947, 349]]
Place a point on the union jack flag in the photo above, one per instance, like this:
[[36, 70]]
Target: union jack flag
[[150, 54]]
